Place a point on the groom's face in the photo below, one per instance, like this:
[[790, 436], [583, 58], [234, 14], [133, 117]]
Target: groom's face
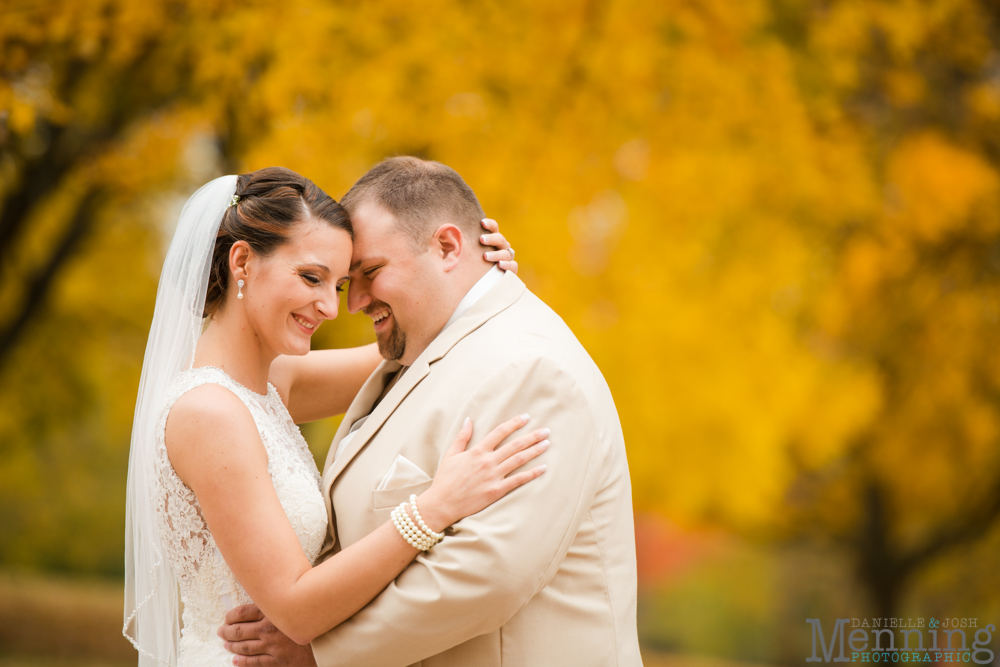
[[394, 285]]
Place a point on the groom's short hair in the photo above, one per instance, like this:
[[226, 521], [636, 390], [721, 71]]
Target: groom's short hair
[[421, 194]]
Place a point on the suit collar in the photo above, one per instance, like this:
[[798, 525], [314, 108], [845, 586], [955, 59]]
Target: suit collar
[[498, 299]]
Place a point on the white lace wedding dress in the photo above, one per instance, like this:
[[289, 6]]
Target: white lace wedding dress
[[208, 587]]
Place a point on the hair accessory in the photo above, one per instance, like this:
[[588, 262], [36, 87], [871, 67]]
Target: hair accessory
[[240, 283], [234, 201]]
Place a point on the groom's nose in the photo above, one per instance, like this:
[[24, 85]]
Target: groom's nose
[[357, 296]]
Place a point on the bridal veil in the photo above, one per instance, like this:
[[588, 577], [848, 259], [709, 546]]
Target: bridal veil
[[152, 599]]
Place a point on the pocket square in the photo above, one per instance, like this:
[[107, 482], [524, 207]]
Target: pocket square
[[402, 472]]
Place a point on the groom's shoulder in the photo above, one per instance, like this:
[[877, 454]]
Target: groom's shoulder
[[532, 325], [531, 331]]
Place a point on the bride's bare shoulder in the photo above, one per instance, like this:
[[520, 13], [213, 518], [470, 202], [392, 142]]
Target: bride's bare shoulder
[[209, 424]]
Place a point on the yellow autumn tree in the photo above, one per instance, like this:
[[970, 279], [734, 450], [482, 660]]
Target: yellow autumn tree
[[913, 289], [771, 222]]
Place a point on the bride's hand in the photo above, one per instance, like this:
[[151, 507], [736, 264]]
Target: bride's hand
[[469, 480], [504, 254]]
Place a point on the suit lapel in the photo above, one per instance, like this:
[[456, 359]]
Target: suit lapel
[[376, 418], [362, 404], [505, 293]]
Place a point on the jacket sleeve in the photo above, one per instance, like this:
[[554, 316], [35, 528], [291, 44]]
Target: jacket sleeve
[[492, 563]]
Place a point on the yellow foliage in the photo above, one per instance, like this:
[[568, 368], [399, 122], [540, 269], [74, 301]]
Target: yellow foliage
[[937, 186], [782, 269]]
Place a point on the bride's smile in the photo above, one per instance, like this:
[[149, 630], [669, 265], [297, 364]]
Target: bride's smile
[[306, 325]]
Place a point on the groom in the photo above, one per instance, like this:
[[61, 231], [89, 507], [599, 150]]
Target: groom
[[546, 575]]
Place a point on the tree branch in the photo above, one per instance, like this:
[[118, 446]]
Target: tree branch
[[38, 289]]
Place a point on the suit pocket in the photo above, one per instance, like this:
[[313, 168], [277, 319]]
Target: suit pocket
[[389, 498]]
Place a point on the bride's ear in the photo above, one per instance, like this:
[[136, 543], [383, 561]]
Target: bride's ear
[[239, 255]]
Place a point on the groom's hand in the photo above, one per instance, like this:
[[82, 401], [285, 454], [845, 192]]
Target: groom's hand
[[257, 643]]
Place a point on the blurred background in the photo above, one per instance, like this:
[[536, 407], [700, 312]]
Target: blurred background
[[775, 225]]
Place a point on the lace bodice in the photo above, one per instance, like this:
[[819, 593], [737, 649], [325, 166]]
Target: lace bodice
[[208, 587]]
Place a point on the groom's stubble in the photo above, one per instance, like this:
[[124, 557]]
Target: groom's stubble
[[392, 346]]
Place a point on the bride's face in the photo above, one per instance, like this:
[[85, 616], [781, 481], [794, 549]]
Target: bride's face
[[289, 292]]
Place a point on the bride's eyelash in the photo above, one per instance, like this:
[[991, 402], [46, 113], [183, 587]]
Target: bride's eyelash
[[311, 279]]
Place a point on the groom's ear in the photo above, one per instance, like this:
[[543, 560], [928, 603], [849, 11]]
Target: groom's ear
[[447, 244]]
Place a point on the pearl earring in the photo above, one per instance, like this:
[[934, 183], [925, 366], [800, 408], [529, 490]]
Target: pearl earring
[[239, 294]]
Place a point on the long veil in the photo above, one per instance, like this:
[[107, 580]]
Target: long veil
[[152, 599]]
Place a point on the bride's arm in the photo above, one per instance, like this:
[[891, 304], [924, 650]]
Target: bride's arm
[[324, 382], [216, 450]]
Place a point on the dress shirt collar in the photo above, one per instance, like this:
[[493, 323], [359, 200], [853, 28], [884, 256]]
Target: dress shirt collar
[[482, 286]]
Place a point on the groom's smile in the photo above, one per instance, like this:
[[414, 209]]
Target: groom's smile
[[391, 339], [378, 315]]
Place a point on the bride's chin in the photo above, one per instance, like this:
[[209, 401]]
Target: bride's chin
[[297, 350]]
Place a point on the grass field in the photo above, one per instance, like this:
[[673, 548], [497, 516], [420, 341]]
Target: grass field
[[59, 622]]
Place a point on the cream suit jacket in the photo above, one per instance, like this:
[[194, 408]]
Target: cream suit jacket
[[545, 576]]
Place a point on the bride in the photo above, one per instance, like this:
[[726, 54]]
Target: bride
[[224, 504]]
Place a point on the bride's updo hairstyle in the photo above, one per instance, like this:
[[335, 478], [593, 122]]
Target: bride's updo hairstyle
[[271, 201]]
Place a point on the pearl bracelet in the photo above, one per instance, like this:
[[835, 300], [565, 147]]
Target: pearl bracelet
[[437, 537], [415, 537], [406, 528]]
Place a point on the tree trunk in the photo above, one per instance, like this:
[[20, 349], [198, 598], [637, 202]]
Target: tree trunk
[[880, 571]]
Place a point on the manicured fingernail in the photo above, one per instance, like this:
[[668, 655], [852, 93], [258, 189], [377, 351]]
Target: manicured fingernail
[[525, 417], [482, 239], [544, 444], [543, 467], [544, 432], [467, 421], [489, 256]]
